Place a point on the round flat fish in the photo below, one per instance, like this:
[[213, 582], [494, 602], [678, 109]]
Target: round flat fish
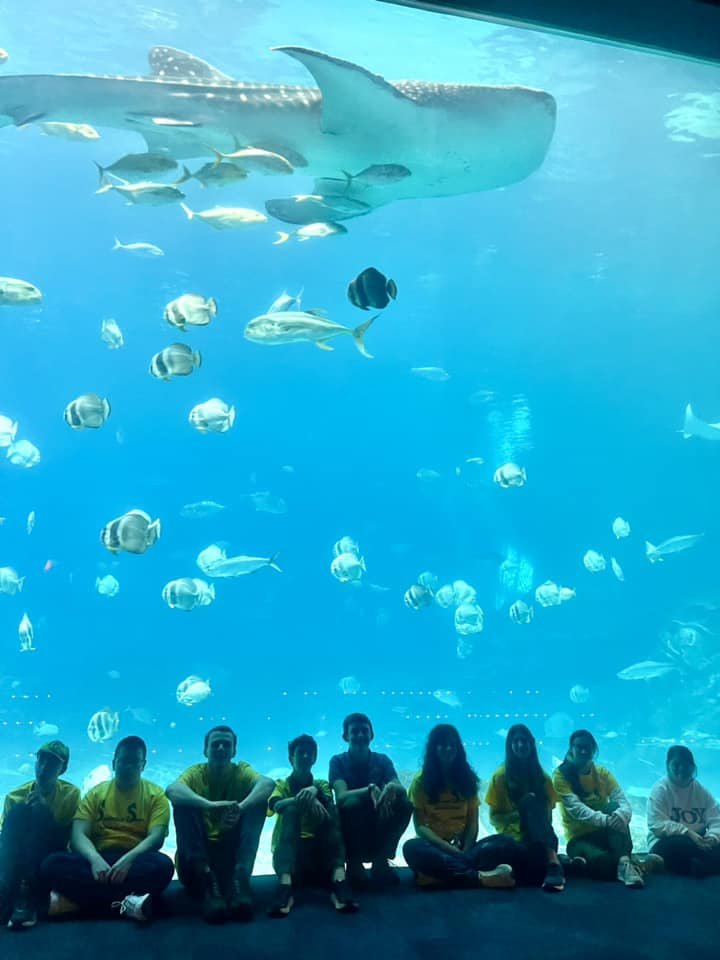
[[313, 208], [371, 289]]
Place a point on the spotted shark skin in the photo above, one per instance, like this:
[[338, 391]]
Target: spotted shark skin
[[455, 139]]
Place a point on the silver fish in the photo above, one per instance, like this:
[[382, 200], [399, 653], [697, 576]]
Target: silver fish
[[673, 545], [305, 326], [215, 174], [146, 191], [312, 208], [646, 670], [139, 249], [14, 292], [312, 231], [240, 566], [201, 509], [133, 164]]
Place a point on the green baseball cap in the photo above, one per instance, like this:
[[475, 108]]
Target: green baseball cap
[[58, 749]]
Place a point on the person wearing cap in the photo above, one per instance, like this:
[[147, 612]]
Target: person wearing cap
[[36, 821], [118, 830], [372, 803]]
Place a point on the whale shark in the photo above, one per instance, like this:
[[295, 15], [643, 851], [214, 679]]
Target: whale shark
[[453, 138]]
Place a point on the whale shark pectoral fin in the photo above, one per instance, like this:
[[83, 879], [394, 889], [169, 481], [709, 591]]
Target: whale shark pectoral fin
[[352, 97], [173, 64]]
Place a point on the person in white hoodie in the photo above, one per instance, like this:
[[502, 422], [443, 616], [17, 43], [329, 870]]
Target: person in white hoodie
[[684, 818]]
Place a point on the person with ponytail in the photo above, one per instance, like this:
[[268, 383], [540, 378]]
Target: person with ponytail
[[596, 815], [521, 798]]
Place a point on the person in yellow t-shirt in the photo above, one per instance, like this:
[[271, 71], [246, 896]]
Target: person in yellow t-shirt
[[36, 822], [307, 841], [219, 811], [445, 803], [521, 798], [117, 834], [595, 814]]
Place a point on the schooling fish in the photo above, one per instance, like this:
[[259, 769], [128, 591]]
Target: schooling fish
[[371, 289], [313, 208], [312, 231], [646, 670], [139, 249], [134, 164], [177, 360]]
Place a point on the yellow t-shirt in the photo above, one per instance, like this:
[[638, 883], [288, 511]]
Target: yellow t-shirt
[[235, 785], [449, 816], [504, 814], [283, 791], [123, 818], [597, 787], [63, 803]]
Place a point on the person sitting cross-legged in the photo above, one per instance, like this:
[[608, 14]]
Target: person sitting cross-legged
[[307, 843], [445, 797], [117, 833], [219, 809], [37, 818]]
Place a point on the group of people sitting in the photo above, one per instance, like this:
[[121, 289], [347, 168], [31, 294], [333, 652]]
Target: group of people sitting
[[63, 854]]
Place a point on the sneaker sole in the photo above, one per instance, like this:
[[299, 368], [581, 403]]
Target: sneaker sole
[[499, 878]]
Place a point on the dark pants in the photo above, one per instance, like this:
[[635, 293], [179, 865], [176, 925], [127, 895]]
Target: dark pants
[[310, 859], [454, 869], [681, 855], [602, 849], [366, 836], [71, 875], [528, 857], [29, 834], [235, 850]]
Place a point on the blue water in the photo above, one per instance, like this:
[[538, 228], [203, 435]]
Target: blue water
[[583, 300]]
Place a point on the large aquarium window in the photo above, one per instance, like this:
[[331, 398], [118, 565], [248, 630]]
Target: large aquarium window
[[354, 364]]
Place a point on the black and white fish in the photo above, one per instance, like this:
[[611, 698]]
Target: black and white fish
[[312, 231], [177, 360], [371, 289], [88, 411], [190, 309], [133, 532]]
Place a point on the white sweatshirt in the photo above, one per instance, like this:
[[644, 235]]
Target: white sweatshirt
[[675, 811]]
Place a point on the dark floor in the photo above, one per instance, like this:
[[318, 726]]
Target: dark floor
[[671, 918]]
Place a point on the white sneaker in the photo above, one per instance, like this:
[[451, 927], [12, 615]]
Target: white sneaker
[[500, 877], [629, 874], [135, 907]]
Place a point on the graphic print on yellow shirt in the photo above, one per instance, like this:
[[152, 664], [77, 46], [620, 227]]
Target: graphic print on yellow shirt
[[504, 814], [283, 791], [236, 784], [63, 803], [448, 817], [123, 818], [597, 786]]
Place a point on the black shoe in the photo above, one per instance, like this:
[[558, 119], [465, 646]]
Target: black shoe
[[383, 875], [341, 897], [240, 900], [214, 905], [357, 875], [554, 881], [283, 902], [24, 913]]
